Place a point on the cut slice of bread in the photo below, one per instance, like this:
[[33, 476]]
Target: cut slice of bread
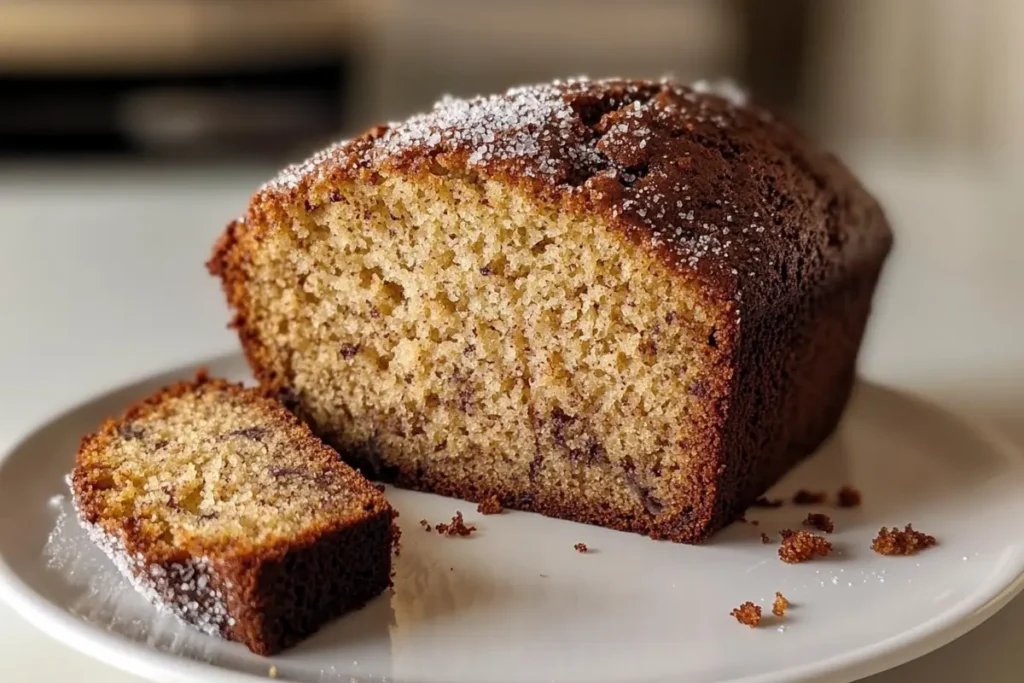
[[630, 303], [221, 507]]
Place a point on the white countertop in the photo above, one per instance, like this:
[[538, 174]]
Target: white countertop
[[99, 262]]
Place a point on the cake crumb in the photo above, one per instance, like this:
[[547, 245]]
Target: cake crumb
[[581, 547], [801, 546], [896, 542], [748, 613], [763, 502], [780, 605], [848, 497], [426, 525], [272, 672], [765, 538], [820, 521], [805, 497], [457, 527], [490, 506]]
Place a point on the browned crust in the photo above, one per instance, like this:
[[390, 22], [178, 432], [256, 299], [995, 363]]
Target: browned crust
[[796, 249], [754, 179], [691, 525], [257, 595]]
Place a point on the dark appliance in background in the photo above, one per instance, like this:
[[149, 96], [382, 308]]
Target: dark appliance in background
[[263, 111]]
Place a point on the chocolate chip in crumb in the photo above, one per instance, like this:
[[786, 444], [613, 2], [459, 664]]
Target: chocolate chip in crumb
[[250, 433], [131, 431]]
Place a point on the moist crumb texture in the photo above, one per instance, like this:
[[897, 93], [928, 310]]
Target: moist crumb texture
[[490, 506], [897, 542], [801, 546], [819, 521], [581, 547], [780, 605], [629, 303], [848, 497], [457, 527], [747, 614], [222, 508]]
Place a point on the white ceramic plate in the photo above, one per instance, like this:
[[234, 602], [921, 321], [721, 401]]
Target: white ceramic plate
[[516, 602]]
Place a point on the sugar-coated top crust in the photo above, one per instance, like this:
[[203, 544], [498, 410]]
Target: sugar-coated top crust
[[735, 199]]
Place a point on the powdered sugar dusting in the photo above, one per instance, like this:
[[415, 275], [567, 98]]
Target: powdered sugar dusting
[[182, 589], [679, 167], [94, 592], [534, 126], [534, 123], [291, 176]]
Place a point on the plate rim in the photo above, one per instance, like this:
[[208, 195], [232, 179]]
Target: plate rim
[[130, 656]]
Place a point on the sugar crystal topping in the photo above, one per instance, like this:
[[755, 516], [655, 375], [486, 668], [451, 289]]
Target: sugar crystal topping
[[181, 589], [536, 124], [676, 165]]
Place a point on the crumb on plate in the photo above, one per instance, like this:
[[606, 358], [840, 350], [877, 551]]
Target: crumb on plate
[[490, 506], [765, 538], [748, 613], [581, 547], [801, 546], [905, 542], [780, 605], [805, 497], [820, 521], [763, 502], [426, 525], [848, 497], [457, 527]]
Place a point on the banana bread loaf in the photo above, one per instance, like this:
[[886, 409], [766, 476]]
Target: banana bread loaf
[[219, 506], [629, 303]]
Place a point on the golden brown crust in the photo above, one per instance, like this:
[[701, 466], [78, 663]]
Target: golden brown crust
[[778, 237], [255, 581], [643, 154]]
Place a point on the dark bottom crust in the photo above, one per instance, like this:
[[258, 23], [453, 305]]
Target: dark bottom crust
[[684, 527], [299, 592]]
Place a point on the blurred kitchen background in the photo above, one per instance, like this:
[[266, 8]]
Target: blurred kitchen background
[[268, 80]]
